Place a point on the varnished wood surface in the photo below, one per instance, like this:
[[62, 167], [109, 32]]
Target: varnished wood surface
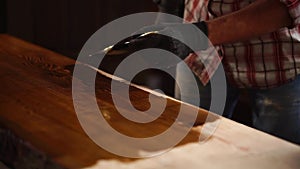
[[36, 105]]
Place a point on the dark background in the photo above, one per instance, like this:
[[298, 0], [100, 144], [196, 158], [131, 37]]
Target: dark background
[[2, 16], [64, 25]]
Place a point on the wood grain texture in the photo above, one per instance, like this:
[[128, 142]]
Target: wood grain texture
[[36, 105]]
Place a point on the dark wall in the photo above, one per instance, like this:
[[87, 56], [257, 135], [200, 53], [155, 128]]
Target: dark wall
[[2, 16], [64, 25]]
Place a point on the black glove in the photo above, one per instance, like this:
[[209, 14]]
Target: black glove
[[160, 36], [174, 7]]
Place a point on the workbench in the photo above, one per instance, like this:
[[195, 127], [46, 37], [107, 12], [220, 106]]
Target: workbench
[[40, 129]]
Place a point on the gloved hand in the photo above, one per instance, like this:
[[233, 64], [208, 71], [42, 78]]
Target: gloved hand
[[160, 36], [174, 7]]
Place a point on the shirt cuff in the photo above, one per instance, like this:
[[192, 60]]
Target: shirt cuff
[[294, 10], [204, 63]]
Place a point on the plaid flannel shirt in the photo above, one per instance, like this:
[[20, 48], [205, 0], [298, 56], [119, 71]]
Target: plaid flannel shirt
[[264, 62]]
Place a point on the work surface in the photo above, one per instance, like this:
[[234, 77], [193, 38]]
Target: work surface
[[41, 129]]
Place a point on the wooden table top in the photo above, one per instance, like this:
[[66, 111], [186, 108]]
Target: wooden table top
[[36, 105]]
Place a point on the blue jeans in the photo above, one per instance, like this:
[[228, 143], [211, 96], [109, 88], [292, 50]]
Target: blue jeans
[[275, 111]]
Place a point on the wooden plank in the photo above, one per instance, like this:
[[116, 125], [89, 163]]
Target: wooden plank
[[232, 146], [36, 105]]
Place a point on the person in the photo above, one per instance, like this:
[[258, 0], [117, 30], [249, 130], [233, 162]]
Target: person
[[259, 42]]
